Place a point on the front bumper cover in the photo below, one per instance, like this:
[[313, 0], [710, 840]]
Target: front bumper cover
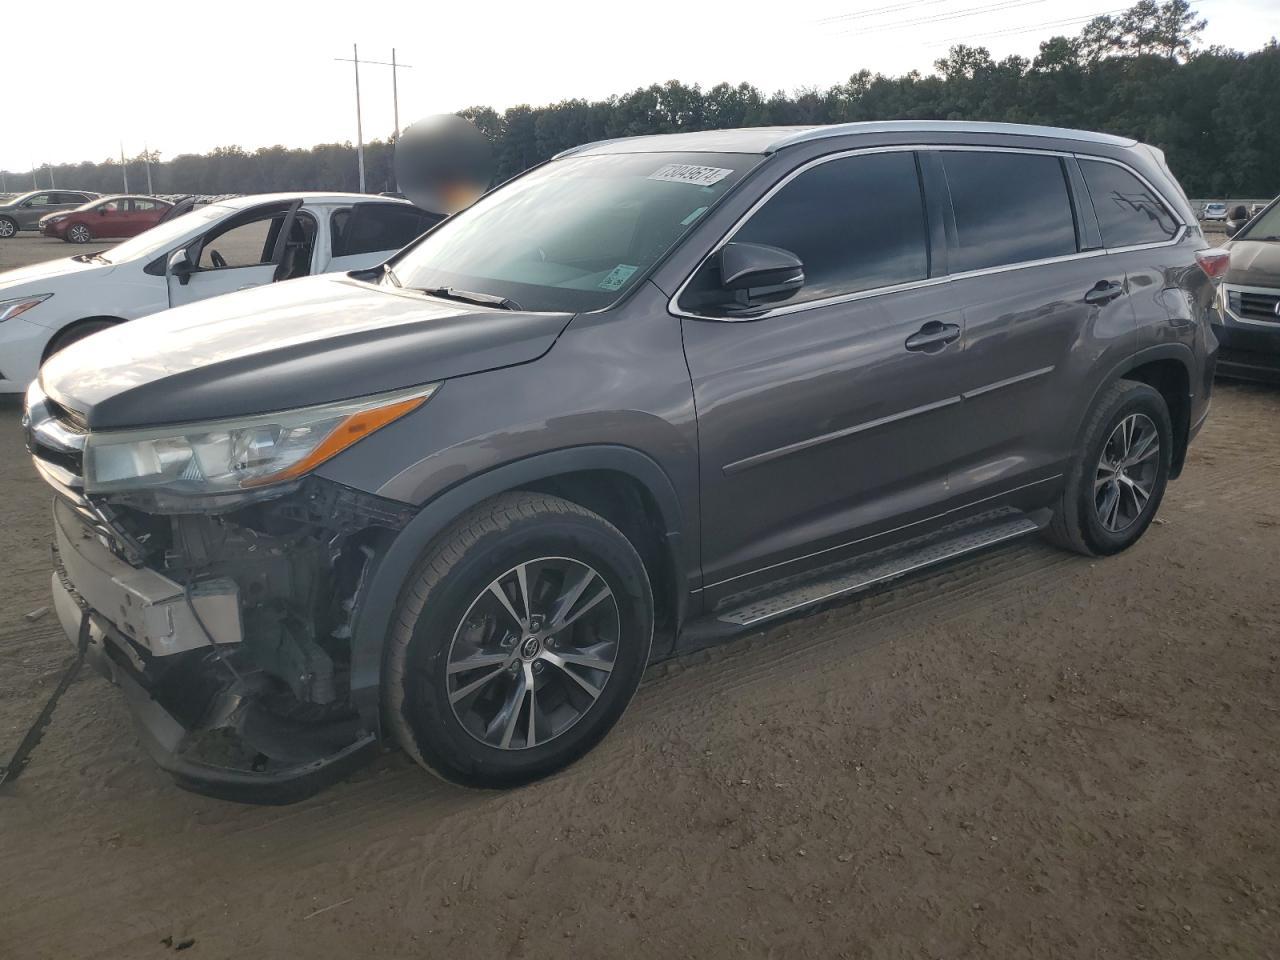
[[307, 759]]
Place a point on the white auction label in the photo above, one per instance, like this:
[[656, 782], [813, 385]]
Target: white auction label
[[690, 173]]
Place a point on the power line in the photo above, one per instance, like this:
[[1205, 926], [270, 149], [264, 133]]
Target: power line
[[956, 15], [892, 8], [1041, 25]]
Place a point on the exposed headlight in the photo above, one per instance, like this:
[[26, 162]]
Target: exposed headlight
[[53, 219], [20, 305], [229, 456]]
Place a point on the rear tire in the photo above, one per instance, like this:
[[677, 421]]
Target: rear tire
[[1114, 488], [536, 594], [78, 233], [8, 227]]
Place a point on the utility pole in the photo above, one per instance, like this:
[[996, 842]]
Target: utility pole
[[124, 167], [146, 156], [395, 99], [395, 95], [34, 183], [48, 166]]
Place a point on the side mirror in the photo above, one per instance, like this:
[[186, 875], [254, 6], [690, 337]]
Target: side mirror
[[1233, 227], [179, 265], [755, 275], [102, 211]]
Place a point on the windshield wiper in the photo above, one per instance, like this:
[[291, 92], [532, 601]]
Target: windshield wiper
[[390, 274], [90, 257], [469, 296]]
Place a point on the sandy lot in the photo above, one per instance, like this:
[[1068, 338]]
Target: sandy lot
[[1023, 754], [28, 248]]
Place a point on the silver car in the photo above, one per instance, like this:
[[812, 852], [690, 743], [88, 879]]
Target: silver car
[[24, 211]]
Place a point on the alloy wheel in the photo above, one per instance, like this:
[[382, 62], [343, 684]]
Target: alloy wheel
[[533, 653], [79, 234], [1127, 472], [6, 228]]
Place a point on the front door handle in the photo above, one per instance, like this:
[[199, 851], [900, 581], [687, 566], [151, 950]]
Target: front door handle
[[1104, 291], [933, 336]]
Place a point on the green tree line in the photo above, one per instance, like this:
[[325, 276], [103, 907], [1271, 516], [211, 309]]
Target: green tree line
[[1215, 112]]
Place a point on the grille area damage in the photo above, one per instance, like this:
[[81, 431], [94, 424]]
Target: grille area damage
[[231, 631]]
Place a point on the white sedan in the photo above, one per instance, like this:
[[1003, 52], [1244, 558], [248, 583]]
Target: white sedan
[[226, 246]]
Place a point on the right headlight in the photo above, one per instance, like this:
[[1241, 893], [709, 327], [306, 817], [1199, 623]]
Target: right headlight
[[231, 456], [20, 305]]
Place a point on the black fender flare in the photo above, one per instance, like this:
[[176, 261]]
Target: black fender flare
[[390, 570], [1162, 351]]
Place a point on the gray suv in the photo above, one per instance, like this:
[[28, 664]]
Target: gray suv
[[652, 393], [24, 211]]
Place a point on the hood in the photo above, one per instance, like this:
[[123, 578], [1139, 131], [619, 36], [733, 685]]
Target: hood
[[286, 345], [1254, 263], [45, 275]]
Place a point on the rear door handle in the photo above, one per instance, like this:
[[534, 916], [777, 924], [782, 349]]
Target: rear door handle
[[1104, 291], [933, 336]]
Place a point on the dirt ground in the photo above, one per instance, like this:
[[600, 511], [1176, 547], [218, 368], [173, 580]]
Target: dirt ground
[[1026, 754], [28, 248]]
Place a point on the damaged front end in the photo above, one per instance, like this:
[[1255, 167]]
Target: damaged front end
[[228, 626]]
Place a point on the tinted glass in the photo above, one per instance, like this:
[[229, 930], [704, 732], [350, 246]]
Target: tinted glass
[[856, 223], [1128, 211], [374, 227], [1009, 208]]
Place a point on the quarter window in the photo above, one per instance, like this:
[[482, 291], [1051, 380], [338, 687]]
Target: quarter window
[[1009, 208], [856, 223], [1127, 209]]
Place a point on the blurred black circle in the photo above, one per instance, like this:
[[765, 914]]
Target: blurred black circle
[[443, 163]]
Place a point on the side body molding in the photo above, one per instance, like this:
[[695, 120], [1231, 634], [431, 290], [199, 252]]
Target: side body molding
[[385, 580]]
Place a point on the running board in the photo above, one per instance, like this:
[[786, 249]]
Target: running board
[[868, 570]]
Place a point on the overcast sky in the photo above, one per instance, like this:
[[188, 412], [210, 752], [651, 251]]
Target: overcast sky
[[186, 76]]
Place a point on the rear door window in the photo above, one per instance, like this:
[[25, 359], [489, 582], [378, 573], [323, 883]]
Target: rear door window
[[1128, 210], [856, 223], [1009, 208], [374, 227]]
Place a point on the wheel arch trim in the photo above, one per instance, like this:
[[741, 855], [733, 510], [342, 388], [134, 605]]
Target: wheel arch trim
[[1164, 351], [386, 579]]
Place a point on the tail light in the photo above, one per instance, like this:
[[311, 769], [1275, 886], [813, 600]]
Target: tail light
[[1214, 262]]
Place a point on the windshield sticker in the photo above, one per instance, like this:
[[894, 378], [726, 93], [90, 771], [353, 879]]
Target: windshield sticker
[[693, 216], [617, 276], [690, 173]]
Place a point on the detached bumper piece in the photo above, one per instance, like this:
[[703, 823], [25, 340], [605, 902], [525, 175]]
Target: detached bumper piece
[[217, 724]]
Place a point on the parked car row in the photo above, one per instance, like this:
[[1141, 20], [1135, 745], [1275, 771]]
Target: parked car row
[[651, 393], [24, 211]]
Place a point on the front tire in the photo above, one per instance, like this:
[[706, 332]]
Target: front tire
[[78, 233], [1115, 487], [8, 227], [518, 642]]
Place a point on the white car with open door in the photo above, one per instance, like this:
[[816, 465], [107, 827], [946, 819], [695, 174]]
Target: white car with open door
[[211, 250]]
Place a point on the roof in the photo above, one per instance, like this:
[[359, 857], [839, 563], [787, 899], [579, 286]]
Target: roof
[[256, 198], [772, 139]]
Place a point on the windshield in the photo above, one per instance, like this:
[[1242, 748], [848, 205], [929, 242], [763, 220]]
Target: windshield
[[153, 241], [575, 234], [1266, 227]]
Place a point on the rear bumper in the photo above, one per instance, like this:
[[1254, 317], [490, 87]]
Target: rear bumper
[[179, 698]]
